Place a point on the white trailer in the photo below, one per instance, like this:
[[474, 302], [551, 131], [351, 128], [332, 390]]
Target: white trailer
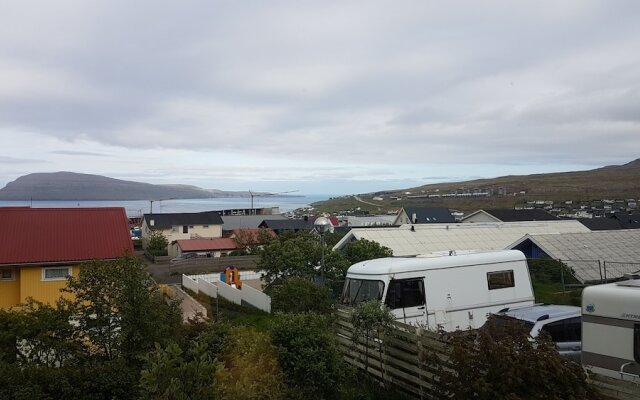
[[611, 329], [442, 292]]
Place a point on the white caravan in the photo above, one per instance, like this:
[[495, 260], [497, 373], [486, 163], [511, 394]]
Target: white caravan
[[443, 292], [611, 329]]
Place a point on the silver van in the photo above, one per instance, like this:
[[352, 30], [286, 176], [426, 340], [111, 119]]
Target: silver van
[[562, 323]]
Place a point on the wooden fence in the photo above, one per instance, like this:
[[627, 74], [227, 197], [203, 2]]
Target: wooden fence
[[412, 360], [404, 358], [213, 264]]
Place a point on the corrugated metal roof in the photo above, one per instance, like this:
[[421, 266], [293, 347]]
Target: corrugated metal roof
[[408, 240], [42, 235], [589, 254], [207, 244]]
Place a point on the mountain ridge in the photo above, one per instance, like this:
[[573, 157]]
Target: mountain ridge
[[66, 185]]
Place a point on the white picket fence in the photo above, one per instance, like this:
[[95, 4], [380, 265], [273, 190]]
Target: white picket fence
[[211, 285]]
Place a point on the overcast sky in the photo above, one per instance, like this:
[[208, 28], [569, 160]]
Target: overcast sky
[[317, 96]]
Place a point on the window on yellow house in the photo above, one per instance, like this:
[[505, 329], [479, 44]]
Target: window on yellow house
[[6, 274], [55, 273]]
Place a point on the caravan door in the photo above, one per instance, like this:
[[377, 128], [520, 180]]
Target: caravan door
[[406, 299]]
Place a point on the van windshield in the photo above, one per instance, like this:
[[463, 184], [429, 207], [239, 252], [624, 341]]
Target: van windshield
[[358, 290]]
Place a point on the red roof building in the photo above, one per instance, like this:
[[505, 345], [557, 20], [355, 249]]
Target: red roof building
[[41, 247]]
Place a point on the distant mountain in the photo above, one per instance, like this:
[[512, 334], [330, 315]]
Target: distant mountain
[[74, 186], [614, 181], [610, 182]]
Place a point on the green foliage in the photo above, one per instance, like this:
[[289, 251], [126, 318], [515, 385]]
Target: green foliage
[[292, 255], [119, 310], [308, 354], [301, 295], [249, 368], [363, 249], [158, 243], [511, 366], [371, 319], [46, 337], [172, 374]]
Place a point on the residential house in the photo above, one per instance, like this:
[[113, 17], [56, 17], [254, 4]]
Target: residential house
[[41, 247], [181, 226], [509, 215], [423, 215]]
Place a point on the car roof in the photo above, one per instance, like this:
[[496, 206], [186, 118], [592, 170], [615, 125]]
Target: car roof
[[539, 312]]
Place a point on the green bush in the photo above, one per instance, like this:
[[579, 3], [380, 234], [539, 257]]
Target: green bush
[[308, 354], [511, 366], [298, 295]]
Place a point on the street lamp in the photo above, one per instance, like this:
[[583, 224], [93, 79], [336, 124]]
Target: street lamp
[[322, 226]]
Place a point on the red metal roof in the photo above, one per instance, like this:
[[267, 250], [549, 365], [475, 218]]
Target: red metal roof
[[207, 244], [42, 235]]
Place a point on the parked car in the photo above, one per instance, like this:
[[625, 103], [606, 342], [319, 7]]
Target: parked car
[[562, 323], [183, 257]]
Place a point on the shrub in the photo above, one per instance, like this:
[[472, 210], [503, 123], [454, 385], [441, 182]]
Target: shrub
[[249, 368], [308, 353], [511, 366], [301, 295]]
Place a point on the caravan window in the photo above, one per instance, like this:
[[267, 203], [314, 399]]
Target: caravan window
[[500, 279], [405, 293], [358, 290]]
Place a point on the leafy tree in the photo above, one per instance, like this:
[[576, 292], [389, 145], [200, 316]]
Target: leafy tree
[[118, 309], [251, 242], [45, 335], [158, 243], [308, 354], [291, 255], [511, 366], [301, 295], [363, 249]]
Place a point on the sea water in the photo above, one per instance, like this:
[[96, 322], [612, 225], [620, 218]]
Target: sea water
[[138, 207]]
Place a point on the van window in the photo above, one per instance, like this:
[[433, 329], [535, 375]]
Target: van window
[[500, 279], [566, 330], [405, 293], [357, 291]]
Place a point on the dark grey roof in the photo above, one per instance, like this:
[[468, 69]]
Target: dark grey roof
[[283, 224], [232, 222], [619, 220], [510, 215], [165, 221], [429, 215]]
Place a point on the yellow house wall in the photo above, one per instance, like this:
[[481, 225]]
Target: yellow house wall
[[10, 291], [32, 285]]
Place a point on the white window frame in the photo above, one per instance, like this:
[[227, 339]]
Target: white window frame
[[44, 273], [13, 274]]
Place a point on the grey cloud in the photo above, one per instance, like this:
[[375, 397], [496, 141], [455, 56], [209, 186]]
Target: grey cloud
[[78, 153]]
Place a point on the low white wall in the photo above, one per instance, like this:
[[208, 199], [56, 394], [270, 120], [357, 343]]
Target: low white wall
[[244, 275], [230, 293], [256, 298], [207, 288], [190, 283]]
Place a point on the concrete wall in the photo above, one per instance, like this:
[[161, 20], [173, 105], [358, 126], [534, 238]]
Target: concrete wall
[[207, 288]]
